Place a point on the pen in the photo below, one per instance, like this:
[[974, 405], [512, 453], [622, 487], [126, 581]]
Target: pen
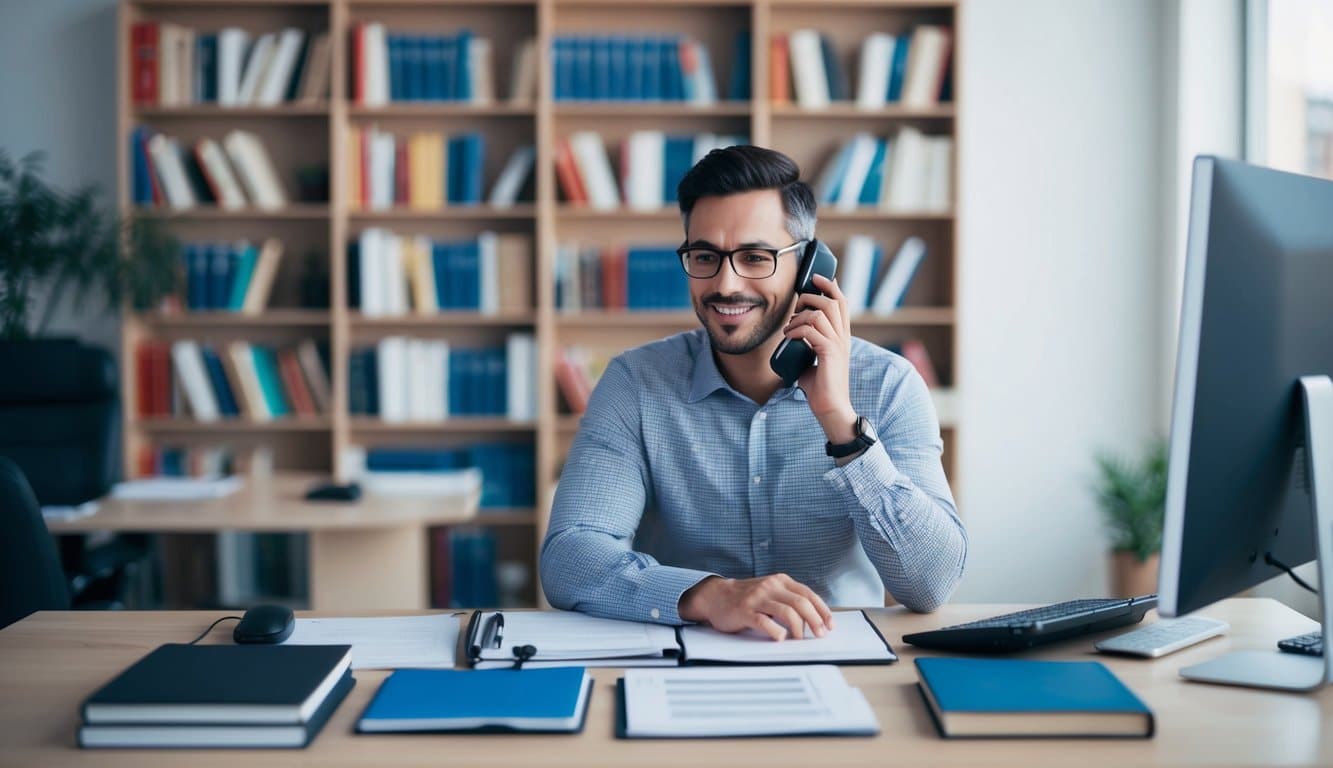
[[493, 633]]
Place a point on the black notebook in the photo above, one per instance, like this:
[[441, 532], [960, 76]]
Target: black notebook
[[206, 736], [221, 684]]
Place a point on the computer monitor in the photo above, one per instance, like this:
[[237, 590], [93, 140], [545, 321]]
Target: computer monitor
[[1252, 418]]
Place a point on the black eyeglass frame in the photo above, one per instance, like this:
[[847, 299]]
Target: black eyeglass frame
[[773, 252]]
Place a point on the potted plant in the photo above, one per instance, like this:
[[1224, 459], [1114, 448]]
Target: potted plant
[[1132, 497], [70, 246]]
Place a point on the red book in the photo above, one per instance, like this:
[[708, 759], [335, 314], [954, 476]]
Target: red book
[[572, 384], [143, 372], [143, 63], [915, 352], [147, 462], [289, 369], [779, 71], [402, 189], [614, 278], [161, 379], [567, 173], [152, 169]]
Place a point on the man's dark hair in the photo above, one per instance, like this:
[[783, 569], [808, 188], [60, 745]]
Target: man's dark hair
[[744, 168]]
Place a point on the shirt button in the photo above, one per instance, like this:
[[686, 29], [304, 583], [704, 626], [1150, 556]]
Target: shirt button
[[763, 544], [758, 479], [763, 415], [656, 614]]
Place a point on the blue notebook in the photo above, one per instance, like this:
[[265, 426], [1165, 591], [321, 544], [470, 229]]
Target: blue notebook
[[501, 700], [1008, 698]]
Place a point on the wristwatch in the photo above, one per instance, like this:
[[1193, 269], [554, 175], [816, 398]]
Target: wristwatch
[[865, 437]]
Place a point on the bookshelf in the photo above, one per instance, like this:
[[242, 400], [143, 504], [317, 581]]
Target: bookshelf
[[300, 135]]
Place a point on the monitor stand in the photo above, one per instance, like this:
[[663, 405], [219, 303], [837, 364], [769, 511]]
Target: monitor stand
[[1275, 669]]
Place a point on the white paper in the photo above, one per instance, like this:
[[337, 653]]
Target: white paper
[[744, 701], [852, 639], [567, 635], [386, 642], [57, 513]]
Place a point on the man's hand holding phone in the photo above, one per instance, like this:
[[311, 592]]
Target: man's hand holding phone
[[776, 605], [823, 323]]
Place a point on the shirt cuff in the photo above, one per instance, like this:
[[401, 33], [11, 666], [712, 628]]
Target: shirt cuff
[[661, 602], [866, 476]]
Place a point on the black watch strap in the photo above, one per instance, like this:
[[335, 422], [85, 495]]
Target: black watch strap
[[863, 440]]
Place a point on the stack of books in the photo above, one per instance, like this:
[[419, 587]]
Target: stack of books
[[230, 277], [639, 277], [908, 171], [909, 69], [233, 174], [392, 275], [651, 166], [241, 696], [396, 67]]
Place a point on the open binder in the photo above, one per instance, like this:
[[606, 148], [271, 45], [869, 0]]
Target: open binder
[[520, 639]]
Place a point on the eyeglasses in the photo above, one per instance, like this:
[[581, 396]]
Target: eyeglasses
[[750, 262]]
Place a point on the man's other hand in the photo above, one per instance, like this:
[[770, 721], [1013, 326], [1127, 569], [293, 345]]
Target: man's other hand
[[776, 605]]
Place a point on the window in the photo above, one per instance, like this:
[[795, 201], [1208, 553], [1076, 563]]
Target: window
[[1289, 88]]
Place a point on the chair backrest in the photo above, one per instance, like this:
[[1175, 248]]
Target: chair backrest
[[31, 578]]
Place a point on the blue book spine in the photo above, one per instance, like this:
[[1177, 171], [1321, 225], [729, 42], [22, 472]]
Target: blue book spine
[[473, 151], [453, 185], [634, 66], [673, 75], [372, 382], [246, 256], [652, 69], [433, 62], [496, 385], [563, 72], [266, 366], [583, 74], [679, 154], [618, 70], [206, 68], [439, 259], [875, 177], [414, 67], [219, 272], [740, 67], [601, 67], [469, 275], [449, 68], [397, 67], [196, 275], [142, 187], [463, 83], [456, 382], [221, 387], [899, 67]]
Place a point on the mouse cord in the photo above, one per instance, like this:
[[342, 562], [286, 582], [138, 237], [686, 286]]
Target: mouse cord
[[204, 634]]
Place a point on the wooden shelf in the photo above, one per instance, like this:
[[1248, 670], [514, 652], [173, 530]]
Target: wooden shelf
[[624, 318], [568, 423], [461, 424], [504, 517], [442, 109], [906, 316], [597, 214], [272, 317], [451, 213], [216, 112], [442, 320], [651, 109], [299, 212], [316, 424], [850, 110]]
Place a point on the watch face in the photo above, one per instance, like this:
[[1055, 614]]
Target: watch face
[[864, 427]]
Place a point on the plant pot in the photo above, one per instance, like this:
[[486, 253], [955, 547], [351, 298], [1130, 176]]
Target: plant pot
[[1130, 577]]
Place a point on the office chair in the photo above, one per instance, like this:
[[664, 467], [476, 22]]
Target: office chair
[[60, 424], [31, 578]]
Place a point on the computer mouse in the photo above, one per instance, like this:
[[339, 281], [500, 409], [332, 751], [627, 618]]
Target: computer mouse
[[265, 624], [334, 492]]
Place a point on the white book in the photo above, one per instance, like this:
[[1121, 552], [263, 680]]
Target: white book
[[479, 70], [177, 488], [906, 175], [853, 638], [261, 56], [315, 71], [439, 379], [371, 264], [419, 395], [489, 257], [232, 44], [243, 361], [705, 85], [520, 367], [456, 482], [564, 636], [226, 188], [808, 76], [595, 168], [749, 701], [272, 89], [377, 66], [523, 77], [567, 275], [394, 282], [168, 64], [391, 370], [385, 642], [256, 170], [939, 174], [643, 172], [898, 276], [854, 272], [872, 87], [262, 279], [859, 159], [185, 41], [926, 59], [381, 169], [188, 362], [510, 181], [170, 168]]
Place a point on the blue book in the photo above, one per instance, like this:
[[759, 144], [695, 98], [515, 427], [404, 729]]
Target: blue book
[[539, 700], [246, 256], [678, 156], [197, 263], [397, 67], [206, 68], [898, 70], [434, 68], [634, 67], [618, 76], [581, 51], [143, 183], [270, 383], [740, 67], [561, 64], [673, 76], [467, 158], [984, 698], [219, 275], [411, 459], [449, 69], [601, 68], [414, 67], [218, 378], [875, 177]]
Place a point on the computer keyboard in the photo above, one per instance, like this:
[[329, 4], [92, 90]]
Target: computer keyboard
[[1036, 626], [1163, 637], [1309, 644]]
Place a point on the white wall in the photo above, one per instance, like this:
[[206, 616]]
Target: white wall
[[58, 95], [1060, 249]]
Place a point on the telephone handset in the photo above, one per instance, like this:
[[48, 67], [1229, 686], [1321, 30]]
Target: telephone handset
[[792, 358]]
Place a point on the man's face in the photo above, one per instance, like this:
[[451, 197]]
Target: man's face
[[740, 314]]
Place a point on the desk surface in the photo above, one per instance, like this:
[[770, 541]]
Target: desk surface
[[273, 504], [50, 661]]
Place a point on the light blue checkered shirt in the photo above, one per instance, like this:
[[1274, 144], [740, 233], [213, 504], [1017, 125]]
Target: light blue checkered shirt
[[675, 476]]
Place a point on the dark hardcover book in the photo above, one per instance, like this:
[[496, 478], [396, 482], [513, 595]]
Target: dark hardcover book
[[218, 736], [462, 90], [195, 174], [217, 684], [206, 68], [1013, 698], [197, 262], [898, 71], [354, 275], [838, 87], [740, 67], [218, 378], [412, 459], [221, 272], [397, 67]]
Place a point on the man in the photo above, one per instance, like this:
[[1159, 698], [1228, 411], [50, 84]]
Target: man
[[700, 489]]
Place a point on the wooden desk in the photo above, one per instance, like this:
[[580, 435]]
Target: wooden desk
[[50, 661], [373, 553]]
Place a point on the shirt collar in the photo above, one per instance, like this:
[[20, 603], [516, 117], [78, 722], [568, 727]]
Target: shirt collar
[[707, 379]]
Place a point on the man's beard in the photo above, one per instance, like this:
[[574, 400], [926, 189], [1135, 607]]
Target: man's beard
[[771, 320]]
